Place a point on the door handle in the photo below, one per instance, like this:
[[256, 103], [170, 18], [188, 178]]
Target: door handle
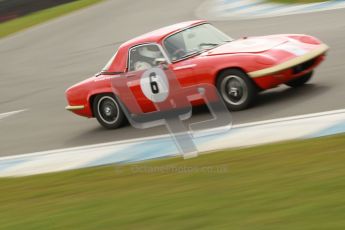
[[185, 67]]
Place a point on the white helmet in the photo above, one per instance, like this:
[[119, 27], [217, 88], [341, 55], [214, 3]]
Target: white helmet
[[150, 51]]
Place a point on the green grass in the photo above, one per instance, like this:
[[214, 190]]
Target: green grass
[[27, 21], [296, 186], [296, 1]]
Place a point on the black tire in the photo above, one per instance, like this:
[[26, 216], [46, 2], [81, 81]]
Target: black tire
[[108, 111], [236, 89], [300, 81]]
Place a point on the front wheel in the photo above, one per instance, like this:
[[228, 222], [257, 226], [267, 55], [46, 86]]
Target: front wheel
[[236, 89], [300, 81], [108, 112]]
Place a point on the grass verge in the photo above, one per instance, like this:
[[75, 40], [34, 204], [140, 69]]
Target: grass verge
[[294, 185], [29, 20]]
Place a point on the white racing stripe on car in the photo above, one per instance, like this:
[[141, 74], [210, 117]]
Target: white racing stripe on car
[[139, 149]]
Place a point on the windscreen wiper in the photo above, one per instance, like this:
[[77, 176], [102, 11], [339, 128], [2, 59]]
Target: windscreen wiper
[[208, 44], [192, 53]]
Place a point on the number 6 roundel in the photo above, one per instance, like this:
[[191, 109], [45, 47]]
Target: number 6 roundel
[[154, 84]]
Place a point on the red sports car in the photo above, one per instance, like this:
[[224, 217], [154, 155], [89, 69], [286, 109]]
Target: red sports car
[[198, 53]]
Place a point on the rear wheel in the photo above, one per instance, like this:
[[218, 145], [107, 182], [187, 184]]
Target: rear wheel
[[108, 111], [298, 82], [236, 89]]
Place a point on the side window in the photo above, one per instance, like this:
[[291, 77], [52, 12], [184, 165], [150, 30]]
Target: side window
[[143, 57]]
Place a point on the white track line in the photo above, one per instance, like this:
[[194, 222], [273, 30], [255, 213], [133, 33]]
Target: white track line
[[143, 139], [141, 149], [3, 115]]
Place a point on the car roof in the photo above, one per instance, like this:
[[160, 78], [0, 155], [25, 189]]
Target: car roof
[[120, 60], [159, 34]]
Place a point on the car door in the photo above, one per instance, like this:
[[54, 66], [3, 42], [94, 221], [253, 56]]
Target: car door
[[145, 56], [184, 72], [141, 58]]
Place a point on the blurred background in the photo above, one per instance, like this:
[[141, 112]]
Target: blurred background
[[48, 45]]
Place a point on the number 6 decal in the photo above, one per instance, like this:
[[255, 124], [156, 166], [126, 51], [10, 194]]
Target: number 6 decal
[[153, 83]]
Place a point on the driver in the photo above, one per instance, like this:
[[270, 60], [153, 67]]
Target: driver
[[147, 56]]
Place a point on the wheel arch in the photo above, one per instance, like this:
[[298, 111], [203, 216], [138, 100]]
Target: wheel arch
[[221, 71], [92, 99]]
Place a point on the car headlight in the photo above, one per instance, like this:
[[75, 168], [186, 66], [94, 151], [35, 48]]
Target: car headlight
[[310, 40]]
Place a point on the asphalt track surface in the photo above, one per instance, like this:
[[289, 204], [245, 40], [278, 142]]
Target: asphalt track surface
[[37, 65]]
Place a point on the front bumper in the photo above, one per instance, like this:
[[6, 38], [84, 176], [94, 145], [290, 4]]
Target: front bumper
[[74, 107], [290, 63]]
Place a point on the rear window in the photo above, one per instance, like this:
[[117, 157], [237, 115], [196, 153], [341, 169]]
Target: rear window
[[107, 66]]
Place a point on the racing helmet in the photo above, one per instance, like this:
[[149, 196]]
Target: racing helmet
[[150, 51]]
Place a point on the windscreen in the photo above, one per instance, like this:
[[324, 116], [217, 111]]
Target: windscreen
[[194, 40]]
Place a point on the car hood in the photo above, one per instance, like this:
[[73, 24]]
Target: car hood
[[248, 45]]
